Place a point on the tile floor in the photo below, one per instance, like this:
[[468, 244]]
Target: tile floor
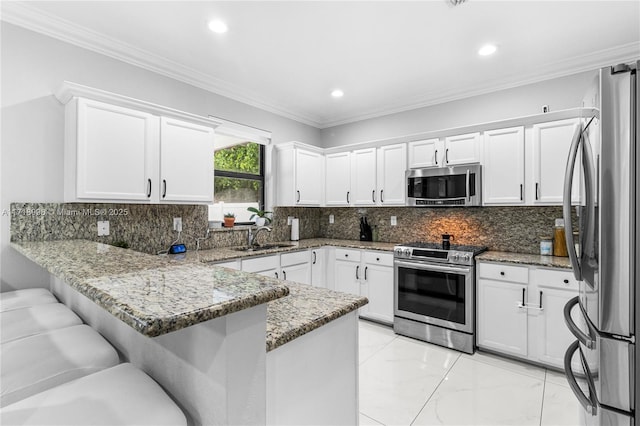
[[408, 382]]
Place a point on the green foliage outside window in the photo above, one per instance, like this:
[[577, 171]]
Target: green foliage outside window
[[243, 158]]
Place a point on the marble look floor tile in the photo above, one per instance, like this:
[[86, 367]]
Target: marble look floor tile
[[368, 421], [478, 393], [560, 407], [557, 378], [397, 380], [509, 364], [372, 338]]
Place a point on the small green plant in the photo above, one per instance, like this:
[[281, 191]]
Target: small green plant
[[259, 213], [230, 215]]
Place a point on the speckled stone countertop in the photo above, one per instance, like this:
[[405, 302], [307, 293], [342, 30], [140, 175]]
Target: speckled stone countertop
[[525, 259], [152, 294], [305, 309], [231, 253]]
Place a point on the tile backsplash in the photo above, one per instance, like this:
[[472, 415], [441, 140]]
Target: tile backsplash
[[149, 228]]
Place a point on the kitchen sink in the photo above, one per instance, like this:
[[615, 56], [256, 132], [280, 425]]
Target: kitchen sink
[[264, 247]]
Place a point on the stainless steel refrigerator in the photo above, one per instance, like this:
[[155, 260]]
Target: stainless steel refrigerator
[[603, 317]]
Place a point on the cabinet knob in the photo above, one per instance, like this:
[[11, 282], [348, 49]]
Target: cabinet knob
[[377, 259], [346, 255], [502, 273], [566, 281]]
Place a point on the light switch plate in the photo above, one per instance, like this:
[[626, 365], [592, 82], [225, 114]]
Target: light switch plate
[[331, 218], [103, 228], [394, 220]]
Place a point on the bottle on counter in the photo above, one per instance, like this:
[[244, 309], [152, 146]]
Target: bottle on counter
[[546, 245], [559, 241]]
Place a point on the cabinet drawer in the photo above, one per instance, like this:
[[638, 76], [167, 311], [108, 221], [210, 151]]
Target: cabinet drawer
[[378, 258], [295, 258], [502, 272], [258, 264], [348, 254], [555, 278]]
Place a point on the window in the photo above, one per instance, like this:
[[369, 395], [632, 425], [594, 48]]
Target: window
[[239, 178]]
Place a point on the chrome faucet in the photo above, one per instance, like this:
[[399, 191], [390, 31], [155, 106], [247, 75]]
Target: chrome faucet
[[251, 236]]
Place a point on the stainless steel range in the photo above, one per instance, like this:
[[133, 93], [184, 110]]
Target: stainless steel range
[[434, 297]]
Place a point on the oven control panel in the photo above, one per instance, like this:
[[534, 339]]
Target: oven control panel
[[454, 257]]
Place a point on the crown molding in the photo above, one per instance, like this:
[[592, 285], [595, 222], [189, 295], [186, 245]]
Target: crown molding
[[20, 14], [589, 62], [34, 19]]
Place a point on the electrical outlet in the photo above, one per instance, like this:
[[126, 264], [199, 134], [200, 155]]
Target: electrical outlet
[[177, 224], [331, 218], [103, 228], [394, 220], [289, 220]]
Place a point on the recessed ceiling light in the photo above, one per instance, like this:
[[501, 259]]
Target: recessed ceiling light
[[487, 49], [217, 26], [337, 93]]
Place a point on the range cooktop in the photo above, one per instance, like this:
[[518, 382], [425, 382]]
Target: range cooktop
[[423, 251]]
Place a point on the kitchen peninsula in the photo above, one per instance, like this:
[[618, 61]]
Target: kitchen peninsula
[[199, 329]]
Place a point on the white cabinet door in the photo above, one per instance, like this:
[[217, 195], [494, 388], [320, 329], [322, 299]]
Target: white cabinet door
[[338, 179], [503, 168], [392, 164], [347, 277], [300, 273], [318, 267], [186, 161], [502, 325], [426, 153], [363, 172], [551, 142], [462, 149], [377, 286], [308, 173], [116, 157]]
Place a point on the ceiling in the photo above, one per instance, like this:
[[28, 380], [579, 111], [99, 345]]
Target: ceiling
[[387, 56]]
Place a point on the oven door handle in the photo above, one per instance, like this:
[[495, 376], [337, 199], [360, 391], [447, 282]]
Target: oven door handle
[[432, 267]]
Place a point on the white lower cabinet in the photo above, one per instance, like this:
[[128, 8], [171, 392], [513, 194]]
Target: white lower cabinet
[[296, 267], [368, 274], [520, 311], [268, 266]]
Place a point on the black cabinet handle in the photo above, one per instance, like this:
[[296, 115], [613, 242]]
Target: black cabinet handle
[[365, 272], [314, 257], [523, 290], [566, 281], [502, 273], [540, 299], [284, 275], [149, 188], [276, 275], [446, 156], [358, 272], [521, 192], [436, 157], [298, 200], [537, 190], [347, 197], [377, 259], [373, 195], [346, 255], [164, 188]]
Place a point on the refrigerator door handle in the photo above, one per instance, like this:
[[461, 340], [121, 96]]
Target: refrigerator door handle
[[566, 203], [582, 337], [589, 406]]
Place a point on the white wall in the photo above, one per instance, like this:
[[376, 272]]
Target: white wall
[[33, 67], [558, 94]]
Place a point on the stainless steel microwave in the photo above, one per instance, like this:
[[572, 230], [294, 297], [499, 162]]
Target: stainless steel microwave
[[444, 186]]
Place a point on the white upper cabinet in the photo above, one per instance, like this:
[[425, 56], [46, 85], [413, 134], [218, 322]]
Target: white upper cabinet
[[391, 167], [551, 142], [363, 177], [186, 161], [338, 179], [426, 153], [462, 149], [503, 168], [113, 153], [300, 175]]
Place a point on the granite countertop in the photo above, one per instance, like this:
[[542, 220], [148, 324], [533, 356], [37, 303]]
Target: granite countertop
[[305, 309], [525, 259], [152, 294]]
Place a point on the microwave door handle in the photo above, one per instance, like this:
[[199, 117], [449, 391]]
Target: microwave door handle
[[468, 188], [566, 203]]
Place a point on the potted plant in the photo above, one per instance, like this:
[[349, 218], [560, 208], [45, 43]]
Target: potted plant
[[229, 220], [259, 216]]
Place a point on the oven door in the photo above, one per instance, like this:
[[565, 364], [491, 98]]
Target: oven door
[[435, 294]]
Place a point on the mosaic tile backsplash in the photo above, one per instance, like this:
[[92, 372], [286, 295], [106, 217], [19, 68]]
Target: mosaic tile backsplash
[[148, 228]]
